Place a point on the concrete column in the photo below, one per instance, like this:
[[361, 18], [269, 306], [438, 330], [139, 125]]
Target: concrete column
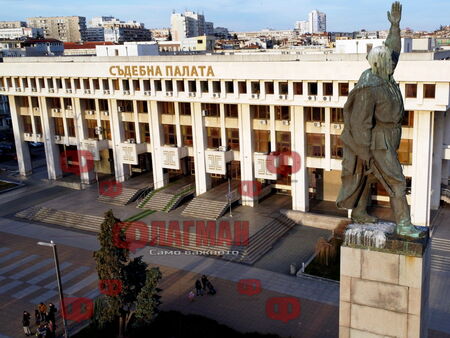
[[121, 170], [422, 165], [202, 178], [300, 185], [177, 123], [86, 176], [22, 150], [136, 122], [156, 135], [52, 155], [327, 139], [436, 176], [223, 130], [446, 141], [273, 133], [246, 151]]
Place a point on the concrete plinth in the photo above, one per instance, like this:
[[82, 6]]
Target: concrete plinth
[[384, 292]]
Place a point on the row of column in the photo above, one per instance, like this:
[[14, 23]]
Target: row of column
[[429, 136]]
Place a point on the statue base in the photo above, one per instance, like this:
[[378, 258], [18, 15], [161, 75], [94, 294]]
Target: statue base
[[384, 284]]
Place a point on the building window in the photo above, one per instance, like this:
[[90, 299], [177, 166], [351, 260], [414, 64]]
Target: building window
[[261, 112], [214, 140], [283, 88], [314, 114], [27, 127], [231, 110], [180, 86], [123, 106], [96, 84], [229, 87], [298, 88], [144, 128], [106, 129], [169, 85], [268, 86], [158, 85], [184, 108], [186, 135], [170, 136], [166, 108], [204, 86], [233, 138], [92, 127], [337, 147], [282, 113], [38, 125], [212, 109], [192, 86], [312, 88], [283, 141], [315, 145], [327, 88], [405, 151], [216, 86], [255, 87], [242, 86], [59, 126], [261, 141], [71, 127], [408, 118], [429, 91], [337, 115], [411, 90], [103, 105]]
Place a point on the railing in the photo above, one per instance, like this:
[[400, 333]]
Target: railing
[[179, 193]]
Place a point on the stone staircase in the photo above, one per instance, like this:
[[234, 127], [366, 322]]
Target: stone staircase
[[127, 195], [60, 217], [262, 241], [205, 208], [161, 200]]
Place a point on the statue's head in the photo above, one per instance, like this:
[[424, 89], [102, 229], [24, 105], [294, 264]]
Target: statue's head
[[381, 61]]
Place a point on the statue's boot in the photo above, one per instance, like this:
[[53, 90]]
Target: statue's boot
[[359, 214], [404, 226]]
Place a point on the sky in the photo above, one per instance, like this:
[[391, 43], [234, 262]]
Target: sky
[[242, 15]]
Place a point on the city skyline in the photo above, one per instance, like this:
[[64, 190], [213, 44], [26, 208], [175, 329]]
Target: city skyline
[[253, 15]]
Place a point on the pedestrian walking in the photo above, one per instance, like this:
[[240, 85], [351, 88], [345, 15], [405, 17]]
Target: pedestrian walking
[[50, 330], [204, 281], [37, 316], [51, 313], [26, 318], [198, 288], [42, 311], [211, 290]]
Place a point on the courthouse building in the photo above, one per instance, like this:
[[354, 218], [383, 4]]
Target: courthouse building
[[214, 117]]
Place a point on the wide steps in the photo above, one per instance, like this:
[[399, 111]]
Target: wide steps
[[126, 196], [205, 208], [261, 242], [60, 217], [159, 201]]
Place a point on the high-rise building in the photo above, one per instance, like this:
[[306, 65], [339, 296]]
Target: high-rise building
[[12, 24], [188, 25], [108, 28], [302, 26], [64, 28], [317, 22]]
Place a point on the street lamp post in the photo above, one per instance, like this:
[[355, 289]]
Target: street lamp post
[[58, 277]]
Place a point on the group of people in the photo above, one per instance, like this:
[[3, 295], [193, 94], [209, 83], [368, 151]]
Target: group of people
[[44, 319], [202, 286]]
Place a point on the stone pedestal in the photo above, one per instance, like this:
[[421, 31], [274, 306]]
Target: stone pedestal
[[384, 292]]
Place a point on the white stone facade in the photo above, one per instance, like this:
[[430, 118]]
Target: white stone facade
[[247, 105]]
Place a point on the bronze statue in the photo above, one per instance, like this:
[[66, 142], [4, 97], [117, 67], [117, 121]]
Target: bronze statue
[[371, 135]]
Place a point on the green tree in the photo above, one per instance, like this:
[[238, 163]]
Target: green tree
[[148, 299], [169, 37], [115, 266]]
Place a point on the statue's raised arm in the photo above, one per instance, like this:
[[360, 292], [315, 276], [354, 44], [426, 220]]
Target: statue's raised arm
[[393, 40]]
